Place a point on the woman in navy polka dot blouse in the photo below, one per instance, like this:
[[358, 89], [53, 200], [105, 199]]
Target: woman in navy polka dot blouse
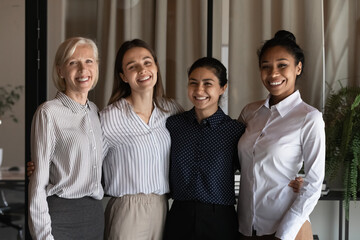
[[203, 160]]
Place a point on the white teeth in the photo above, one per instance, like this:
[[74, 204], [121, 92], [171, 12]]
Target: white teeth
[[275, 83], [200, 98], [83, 79], [145, 78]]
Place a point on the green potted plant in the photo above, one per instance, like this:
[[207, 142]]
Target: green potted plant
[[342, 127], [9, 95]]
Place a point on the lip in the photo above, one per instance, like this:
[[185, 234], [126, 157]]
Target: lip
[[83, 78], [200, 98], [276, 83], [143, 79]]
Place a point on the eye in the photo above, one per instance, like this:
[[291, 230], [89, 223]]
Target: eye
[[148, 63], [208, 84], [72, 63], [192, 82], [282, 65], [89, 61], [265, 67]]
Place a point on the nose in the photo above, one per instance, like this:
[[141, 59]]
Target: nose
[[199, 88], [141, 69], [274, 72], [82, 66]]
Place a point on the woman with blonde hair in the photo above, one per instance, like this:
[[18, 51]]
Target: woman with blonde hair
[[65, 189]]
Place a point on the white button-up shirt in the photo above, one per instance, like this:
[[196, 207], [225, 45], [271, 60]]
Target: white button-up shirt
[[278, 140]]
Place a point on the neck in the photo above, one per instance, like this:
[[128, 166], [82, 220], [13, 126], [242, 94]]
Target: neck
[[142, 105], [273, 101], [276, 99]]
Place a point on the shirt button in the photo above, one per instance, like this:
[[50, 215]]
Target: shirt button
[[91, 130], [94, 166]]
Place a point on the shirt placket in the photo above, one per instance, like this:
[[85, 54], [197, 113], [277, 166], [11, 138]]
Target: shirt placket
[[155, 155], [93, 149], [199, 158], [255, 162]]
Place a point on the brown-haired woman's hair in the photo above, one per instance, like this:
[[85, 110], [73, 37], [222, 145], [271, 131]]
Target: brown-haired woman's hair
[[121, 89]]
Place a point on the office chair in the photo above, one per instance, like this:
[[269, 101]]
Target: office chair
[[10, 213]]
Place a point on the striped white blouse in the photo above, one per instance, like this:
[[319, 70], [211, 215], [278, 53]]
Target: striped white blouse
[[66, 146], [137, 154]]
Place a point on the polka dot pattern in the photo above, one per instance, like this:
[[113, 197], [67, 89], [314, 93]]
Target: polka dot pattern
[[203, 157]]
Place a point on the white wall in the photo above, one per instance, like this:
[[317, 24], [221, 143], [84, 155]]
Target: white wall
[[12, 69], [325, 220]]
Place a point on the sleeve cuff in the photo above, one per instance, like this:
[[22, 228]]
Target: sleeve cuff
[[289, 226]]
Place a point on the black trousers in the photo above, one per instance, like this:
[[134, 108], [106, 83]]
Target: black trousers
[[194, 220]]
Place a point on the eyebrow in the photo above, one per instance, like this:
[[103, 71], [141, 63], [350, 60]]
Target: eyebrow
[[203, 80], [277, 60], [144, 58]]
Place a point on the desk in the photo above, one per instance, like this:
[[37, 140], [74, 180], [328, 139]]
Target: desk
[[12, 176], [339, 196], [12, 179]]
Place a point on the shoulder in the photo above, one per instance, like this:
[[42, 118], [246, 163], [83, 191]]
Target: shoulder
[[311, 117], [310, 112], [49, 106], [178, 119], [118, 105], [170, 105], [252, 107], [249, 110], [236, 126], [48, 112]]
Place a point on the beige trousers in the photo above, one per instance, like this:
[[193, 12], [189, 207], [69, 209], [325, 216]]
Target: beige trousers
[[305, 233], [140, 217]]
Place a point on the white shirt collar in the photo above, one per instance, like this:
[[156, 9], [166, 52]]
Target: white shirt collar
[[285, 105]]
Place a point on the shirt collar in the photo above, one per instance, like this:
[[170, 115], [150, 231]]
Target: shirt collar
[[213, 121], [122, 101], [285, 105], [69, 103]]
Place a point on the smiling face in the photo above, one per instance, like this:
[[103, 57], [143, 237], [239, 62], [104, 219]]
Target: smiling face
[[204, 91], [140, 70], [79, 71], [279, 72]]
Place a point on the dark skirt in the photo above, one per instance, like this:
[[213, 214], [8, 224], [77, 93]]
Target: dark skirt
[[81, 218], [194, 220]]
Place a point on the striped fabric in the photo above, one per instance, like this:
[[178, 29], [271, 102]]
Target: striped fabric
[[137, 154], [66, 146]]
